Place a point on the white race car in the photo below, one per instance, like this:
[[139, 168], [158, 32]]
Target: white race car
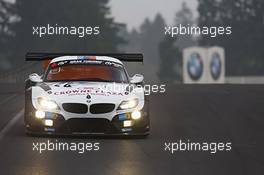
[[86, 94]]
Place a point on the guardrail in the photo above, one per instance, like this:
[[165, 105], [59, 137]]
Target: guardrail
[[245, 80]]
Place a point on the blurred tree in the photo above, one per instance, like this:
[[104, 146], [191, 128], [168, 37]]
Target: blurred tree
[[151, 36], [63, 13], [6, 15], [170, 49], [169, 54], [133, 41], [184, 17], [244, 50], [146, 40]]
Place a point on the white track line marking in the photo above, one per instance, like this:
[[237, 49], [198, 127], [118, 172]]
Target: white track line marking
[[7, 99], [11, 123]]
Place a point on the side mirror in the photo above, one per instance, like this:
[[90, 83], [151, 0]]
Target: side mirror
[[137, 78], [35, 78]]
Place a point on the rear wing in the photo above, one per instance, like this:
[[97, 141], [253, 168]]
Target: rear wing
[[126, 57]]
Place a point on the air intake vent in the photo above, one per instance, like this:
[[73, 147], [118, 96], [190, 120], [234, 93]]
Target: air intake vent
[[101, 108], [78, 108], [92, 125]]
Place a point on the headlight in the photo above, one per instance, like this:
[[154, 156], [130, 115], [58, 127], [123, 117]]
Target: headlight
[[128, 104], [136, 115], [47, 104], [40, 114]]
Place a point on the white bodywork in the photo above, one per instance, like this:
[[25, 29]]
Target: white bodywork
[[100, 92], [98, 58]]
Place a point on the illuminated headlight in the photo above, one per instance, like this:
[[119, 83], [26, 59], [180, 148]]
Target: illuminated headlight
[[136, 115], [127, 123], [128, 104], [48, 122], [39, 114], [47, 104]]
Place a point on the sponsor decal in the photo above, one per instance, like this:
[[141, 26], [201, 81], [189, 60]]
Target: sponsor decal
[[85, 60], [109, 63], [122, 117], [67, 85], [53, 65], [215, 66], [88, 91], [62, 63], [44, 86], [195, 66], [88, 98], [86, 57]]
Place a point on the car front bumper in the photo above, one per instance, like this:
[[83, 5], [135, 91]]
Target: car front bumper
[[89, 126]]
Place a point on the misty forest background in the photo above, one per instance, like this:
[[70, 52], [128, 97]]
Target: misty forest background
[[163, 55]]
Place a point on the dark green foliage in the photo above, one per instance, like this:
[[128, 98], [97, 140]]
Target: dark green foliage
[[170, 49], [170, 56], [244, 47], [146, 40], [7, 15], [63, 13]]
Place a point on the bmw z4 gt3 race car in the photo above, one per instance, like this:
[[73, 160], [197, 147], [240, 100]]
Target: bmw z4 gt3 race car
[[85, 94]]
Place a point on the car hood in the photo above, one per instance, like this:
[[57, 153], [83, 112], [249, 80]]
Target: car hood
[[87, 92]]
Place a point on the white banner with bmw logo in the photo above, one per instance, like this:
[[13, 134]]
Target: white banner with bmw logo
[[204, 65]]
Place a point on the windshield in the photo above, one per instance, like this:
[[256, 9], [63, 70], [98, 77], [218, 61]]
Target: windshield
[[101, 72]]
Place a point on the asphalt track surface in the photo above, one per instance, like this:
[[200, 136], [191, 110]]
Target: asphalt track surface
[[200, 113]]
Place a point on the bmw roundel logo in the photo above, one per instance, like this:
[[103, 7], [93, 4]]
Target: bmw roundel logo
[[195, 66], [88, 96], [215, 66]]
